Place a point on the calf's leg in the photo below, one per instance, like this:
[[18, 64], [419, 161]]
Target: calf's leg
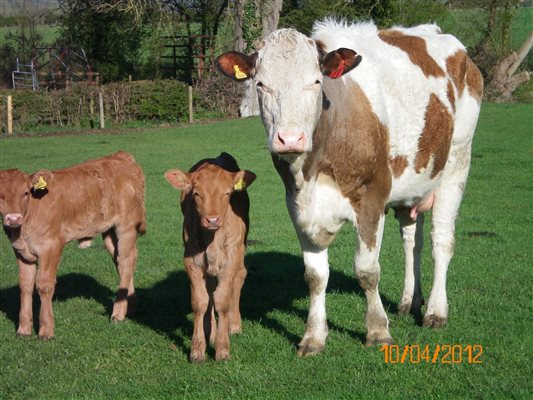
[[222, 297], [46, 282], [27, 273], [126, 259], [200, 305], [235, 324]]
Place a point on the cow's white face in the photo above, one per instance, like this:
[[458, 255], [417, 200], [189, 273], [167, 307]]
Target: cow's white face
[[288, 70], [289, 88]]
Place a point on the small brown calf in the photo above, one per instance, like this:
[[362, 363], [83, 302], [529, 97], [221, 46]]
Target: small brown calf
[[215, 226], [43, 211]]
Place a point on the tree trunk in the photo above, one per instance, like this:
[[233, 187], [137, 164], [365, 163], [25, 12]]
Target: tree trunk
[[504, 82], [238, 16]]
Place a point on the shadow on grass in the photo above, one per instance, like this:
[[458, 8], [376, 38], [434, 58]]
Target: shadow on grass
[[274, 282]]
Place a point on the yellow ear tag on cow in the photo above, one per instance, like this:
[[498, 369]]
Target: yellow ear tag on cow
[[238, 73], [241, 185], [41, 184]]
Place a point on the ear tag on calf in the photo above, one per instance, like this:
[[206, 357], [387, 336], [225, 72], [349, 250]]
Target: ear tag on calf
[[240, 185], [238, 73], [41, 184]]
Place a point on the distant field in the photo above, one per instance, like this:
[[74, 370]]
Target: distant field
[[48, 33], [489, 287]]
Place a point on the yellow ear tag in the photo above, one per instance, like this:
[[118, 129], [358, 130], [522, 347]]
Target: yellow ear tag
[[241, 185], [238, 73], [41, 184]]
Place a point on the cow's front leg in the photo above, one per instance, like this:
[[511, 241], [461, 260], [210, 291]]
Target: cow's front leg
[[27, 273], [412, 233], [126, 252], [46, 283], [316, 276], [367, 271]]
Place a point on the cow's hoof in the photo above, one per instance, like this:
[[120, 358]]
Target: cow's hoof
[[235, 330], [377, 338], [23, 334], [413, 308], [434, 321], [197, 357], [309, 348], [45, 337]]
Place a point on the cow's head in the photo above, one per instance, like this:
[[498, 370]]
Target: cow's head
[[288, 70], [16, 188], [211, 188]]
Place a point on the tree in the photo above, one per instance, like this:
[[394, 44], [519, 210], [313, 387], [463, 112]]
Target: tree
[[110, 38]]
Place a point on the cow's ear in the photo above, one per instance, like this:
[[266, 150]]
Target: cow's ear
[[41, 180], [338, 62], [237, 66], [178, 179], [243, 179]]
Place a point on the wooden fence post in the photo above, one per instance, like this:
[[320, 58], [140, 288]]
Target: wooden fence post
[[190, 105], [101, 106], [9, 115]]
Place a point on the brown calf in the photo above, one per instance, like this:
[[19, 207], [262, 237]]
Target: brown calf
[[43, 211], [215, 225]]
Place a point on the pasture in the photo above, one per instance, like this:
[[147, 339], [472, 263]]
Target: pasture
[[489, 287]]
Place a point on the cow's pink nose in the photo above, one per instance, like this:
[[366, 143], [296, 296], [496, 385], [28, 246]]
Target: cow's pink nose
[[13, 220], [289, 142]]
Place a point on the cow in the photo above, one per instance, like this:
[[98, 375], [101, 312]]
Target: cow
[[215, 208], [42, 212], [360, 121]]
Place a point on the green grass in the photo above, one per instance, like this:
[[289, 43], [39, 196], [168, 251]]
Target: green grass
[[489, 287], [47, 33]]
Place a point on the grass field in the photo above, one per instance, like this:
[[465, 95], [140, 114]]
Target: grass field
[[489, 287]]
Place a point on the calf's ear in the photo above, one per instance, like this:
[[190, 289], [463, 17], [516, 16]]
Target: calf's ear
[[338, 62], [237, 66], [178, 179], [41, 180], [242, 179]]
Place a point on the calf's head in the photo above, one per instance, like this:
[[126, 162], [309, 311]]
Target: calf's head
[[16, 188], [211, 188], [288, 71]]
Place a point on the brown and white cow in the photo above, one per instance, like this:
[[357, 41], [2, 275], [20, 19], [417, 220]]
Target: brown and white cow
[[215, 226], [44, 211], [358, 121]]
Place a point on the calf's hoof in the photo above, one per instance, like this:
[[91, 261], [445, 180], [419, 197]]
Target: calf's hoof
[[197, 357], [434, 321], [23, 335], [235, 330], [45, 337], [24, 332], [117, 318], [222, 356]]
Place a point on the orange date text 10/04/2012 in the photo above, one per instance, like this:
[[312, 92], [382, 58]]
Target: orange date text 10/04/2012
[[432, 354]]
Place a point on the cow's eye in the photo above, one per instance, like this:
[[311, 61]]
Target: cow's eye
[[317, 82], [26, 193]]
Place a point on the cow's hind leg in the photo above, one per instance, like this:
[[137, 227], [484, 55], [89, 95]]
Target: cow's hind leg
[[413, 240], [27, 273], [367, 271], [46, 283], [445, 208], [126, 258], [316, 276]]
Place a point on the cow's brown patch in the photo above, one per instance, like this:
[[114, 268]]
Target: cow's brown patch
[[451, 95], [474, 80], [436, 137], [456, 67], [350, 145], [416, 49], [398, 164]]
